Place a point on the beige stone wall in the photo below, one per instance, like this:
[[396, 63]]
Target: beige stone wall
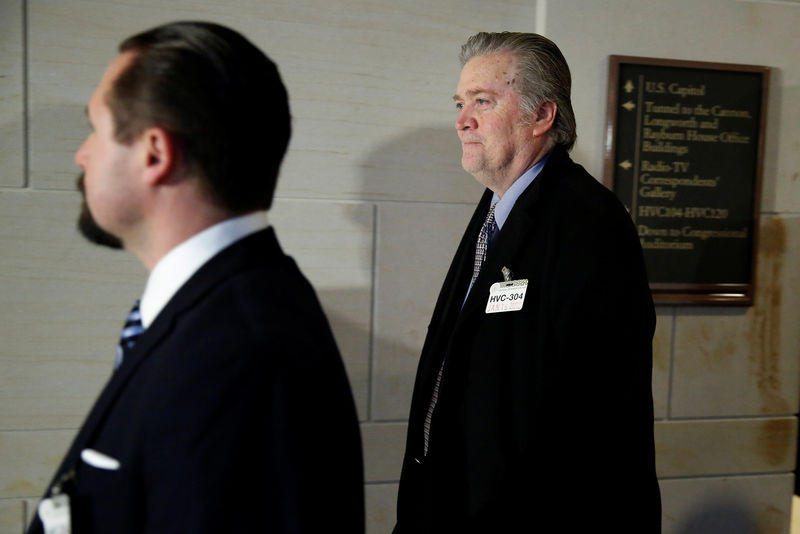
[[725, 379], [371, 202]]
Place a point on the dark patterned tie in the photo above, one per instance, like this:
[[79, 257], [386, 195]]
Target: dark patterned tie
[[481, 247], [130, 333]]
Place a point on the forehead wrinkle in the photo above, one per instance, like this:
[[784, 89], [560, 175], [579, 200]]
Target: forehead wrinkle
[[474, 92]]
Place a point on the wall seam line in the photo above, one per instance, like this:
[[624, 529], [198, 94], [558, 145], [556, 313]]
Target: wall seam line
[[26, 131], [372, 311]]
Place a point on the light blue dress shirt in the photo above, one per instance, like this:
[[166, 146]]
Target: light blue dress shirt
[[503, 205]]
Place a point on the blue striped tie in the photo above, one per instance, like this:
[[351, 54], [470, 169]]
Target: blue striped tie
[[130, 333]]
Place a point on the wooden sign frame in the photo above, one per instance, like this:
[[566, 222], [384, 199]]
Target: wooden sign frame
[[684, 152]]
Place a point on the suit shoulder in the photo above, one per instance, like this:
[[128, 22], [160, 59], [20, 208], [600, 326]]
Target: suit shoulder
[[576, 193], [269, 297], [252, 299]]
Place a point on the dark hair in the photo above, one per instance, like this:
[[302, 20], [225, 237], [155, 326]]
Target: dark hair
[[544, 75], [221, 100]]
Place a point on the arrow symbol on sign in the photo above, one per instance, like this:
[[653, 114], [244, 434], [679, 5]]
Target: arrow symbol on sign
[[629, 87], [626, 165], [629, 105]]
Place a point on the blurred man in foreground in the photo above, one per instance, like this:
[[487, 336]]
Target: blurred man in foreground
[[229, 409]]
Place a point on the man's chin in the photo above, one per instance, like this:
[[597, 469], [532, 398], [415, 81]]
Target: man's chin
[[470, 164], [89, 229]]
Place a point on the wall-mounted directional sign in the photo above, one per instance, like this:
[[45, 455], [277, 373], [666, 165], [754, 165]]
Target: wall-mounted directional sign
[[684, 151]]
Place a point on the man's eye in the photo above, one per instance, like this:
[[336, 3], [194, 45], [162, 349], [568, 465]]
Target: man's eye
[[482, 101], [459, 106]]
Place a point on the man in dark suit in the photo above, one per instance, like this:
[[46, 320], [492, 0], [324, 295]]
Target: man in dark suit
[[532, 409], [229, 409]]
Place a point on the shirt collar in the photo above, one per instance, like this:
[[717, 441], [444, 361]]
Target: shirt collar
[[180, 263], [502, 206]]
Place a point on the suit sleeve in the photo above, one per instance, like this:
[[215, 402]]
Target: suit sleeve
[[600, 394]]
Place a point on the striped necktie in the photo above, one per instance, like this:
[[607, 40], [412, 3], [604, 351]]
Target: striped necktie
[[130, 333], [481, 248], [484, 239]]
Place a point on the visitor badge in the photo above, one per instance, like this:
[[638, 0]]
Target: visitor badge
[[54, 513], [506, 296]]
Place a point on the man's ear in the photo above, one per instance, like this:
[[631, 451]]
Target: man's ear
[[159, 155], [544, 117]]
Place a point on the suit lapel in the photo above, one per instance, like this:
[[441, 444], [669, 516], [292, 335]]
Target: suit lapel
[[448, 307], [520, 223], [464, 261], [206, 278]]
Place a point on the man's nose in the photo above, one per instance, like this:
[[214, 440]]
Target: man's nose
[[465, 120]]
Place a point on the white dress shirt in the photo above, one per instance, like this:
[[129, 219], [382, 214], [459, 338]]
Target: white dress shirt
[[180, 263]]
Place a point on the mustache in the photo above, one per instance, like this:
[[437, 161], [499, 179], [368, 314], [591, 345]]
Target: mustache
[[80, 186]]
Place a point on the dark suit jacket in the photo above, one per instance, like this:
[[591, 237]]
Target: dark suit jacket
[[544, 421], [231, 414]]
